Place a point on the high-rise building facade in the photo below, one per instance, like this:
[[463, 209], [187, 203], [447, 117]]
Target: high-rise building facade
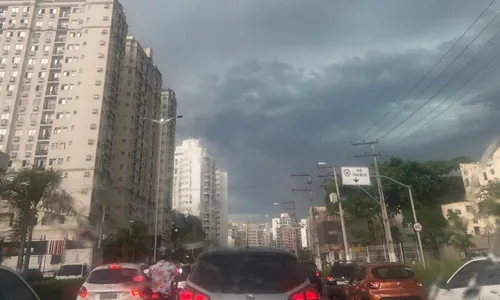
[[195, 189], [135, 163], [60, 77], [168, 111], [249, 234], [223, 196]]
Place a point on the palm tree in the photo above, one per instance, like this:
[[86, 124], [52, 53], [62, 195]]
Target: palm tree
[[129, 244], [29, 192]]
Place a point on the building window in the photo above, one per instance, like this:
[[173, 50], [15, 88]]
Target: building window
[[492, 171], [86, 174], [88, 157], [90, 142], [485, 176]]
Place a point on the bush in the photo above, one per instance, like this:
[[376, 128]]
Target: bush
[[57, 289], [436, 270]]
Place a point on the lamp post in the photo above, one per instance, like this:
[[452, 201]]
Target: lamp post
[[160, 123]]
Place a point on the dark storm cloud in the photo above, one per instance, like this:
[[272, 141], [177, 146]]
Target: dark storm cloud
[[275, 86]]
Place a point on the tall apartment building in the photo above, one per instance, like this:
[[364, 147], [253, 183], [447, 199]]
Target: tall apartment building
[[223, 196], [284, 220], [136, 139], [195, 187], [251, 234], [168, 111], [60, 76]]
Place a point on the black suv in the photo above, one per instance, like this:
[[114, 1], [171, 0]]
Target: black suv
[[314, 276], [336, 280]]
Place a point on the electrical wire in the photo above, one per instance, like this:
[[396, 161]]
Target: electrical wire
[[428, 72], [454, 60], [474, 58]]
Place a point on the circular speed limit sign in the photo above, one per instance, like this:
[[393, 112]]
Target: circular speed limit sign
[[417, 227], [347, 172]]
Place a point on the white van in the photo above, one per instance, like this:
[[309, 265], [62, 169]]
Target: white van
[[72, 271]]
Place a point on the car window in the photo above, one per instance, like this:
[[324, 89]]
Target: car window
[[489, 275], [392, 272], [466, 273], [309, 266], [248, 273], [345, 271], [113, 276], [70, 270], [13, 288]]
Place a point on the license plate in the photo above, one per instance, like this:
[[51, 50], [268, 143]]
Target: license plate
[[104, 296]]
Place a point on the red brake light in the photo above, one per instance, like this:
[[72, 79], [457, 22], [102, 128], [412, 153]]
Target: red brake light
[[329, 278], [188, 294], [308, 294], [138, 278], [134, 292], [374, 285], [114, 267], [83, 292], [317, 274], [155, 296]]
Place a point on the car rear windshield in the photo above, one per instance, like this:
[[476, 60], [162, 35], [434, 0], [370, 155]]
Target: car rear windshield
[[308, 266], [392, 272], [248, 273], [112, 276], [70, 270], [342, 271]]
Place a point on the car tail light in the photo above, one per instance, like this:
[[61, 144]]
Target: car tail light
[[419, 284], [155, 296], [138, 278], [83, 292], [114, 267], [330, 278], [307, 294], [374, 285], [134, 292], [317, 274], [189, 294]]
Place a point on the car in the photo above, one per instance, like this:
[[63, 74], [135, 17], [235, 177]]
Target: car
[[180, 280], [385, 281], [475, 279], [124, 281], [337, 279], [247, 273], [313, 275], [13, 286]]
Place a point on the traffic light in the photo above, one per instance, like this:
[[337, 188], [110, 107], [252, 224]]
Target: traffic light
[[175, 232]]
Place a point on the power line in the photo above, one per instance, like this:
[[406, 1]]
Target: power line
[[457, 100], [428, 72], [426, 102], [453, 94]]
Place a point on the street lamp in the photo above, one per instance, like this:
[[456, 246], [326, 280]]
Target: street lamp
[[341, 210], [160, 123], [410, 193]]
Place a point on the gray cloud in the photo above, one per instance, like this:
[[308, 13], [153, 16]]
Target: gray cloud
[[275, 86]]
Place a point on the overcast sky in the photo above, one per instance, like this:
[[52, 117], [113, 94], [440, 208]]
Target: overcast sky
[[274, 86]]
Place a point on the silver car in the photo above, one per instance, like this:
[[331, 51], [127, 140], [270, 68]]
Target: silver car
[[248, 273], [123, 281]]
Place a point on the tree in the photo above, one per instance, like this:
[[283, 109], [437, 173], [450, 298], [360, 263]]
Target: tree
[[30, 192], [305, 254], [128, 244], [460, 237], [490, 196], [185, 230]]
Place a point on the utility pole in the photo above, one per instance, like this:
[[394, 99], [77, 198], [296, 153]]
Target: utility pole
[[246, 233], [103, 217], [383, 206], [309, 188], [341, 212]]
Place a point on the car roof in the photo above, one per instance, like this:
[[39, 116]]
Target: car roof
[[245, 250], [123, 265], [19, 276]]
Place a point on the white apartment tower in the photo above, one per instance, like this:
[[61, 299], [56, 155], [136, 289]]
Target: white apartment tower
[[136, 139], [195, 187], [168, 111], [60, 77], [223, 195]]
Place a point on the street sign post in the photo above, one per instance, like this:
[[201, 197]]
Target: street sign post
[[355, 176], [333, 198], [417, 227]]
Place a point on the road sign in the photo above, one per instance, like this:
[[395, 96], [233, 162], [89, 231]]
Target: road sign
[[355, 176], [333, 198], [417, 227]]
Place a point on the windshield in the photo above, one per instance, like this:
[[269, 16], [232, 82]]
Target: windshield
[[341, 271], [399, 272], [70, 270], [113, 276], [256, 273]]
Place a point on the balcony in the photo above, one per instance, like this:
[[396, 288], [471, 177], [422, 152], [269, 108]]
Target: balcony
[[44, 136], [42, 152], [46, 121]]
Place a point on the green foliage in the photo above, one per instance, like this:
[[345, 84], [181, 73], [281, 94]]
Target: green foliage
[[188, 229], [128, 244], [436, 271], [57, 289], [490, 193], [460, 238], [305, 254]]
